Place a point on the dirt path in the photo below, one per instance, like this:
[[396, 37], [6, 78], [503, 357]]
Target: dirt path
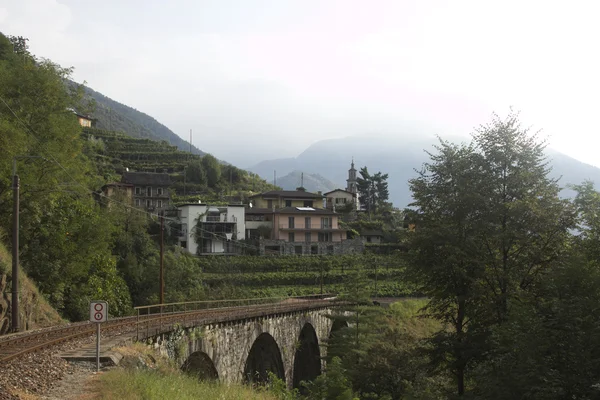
[[79, 383]]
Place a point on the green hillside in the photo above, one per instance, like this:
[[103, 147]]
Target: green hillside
[[195, 177], [250, 276], [114, 116]]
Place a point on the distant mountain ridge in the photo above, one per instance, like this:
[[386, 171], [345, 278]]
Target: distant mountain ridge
[[400, 158], [114, 116], [311, 182]]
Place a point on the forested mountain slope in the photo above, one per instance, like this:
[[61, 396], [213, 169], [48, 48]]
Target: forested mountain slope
[[114, 116]]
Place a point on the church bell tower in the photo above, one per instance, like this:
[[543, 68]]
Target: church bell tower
[[351, 181]]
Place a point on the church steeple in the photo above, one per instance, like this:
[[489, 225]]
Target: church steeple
[[351, 181]]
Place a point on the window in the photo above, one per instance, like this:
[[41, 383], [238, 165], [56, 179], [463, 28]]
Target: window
[[138, 190], [149, 191], [288, 203], [184, 245], [159, 203], [159, 191], [269, 203], [326, 223], [307, 222], [298, 250], [148, 203], [307, 237], [291, 237], [138, 202], [324, 237], [308, 203], [291, 222], [314, 249], [368, 239]]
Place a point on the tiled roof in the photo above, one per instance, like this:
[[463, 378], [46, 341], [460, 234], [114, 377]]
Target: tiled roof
[[339, 190], [302, 210], [146, 178], [254, 210], [296, 194], [289, 210]]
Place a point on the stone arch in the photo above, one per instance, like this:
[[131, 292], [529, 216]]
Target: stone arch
[[307, 359], [200, 364], [337, 325], [264, 356]]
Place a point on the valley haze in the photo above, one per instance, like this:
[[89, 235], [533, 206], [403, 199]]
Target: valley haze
[[266, 79]]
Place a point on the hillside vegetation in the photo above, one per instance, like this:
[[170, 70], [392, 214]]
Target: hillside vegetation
[[35, 310], [113, 116], [74, 247], [194, 177]]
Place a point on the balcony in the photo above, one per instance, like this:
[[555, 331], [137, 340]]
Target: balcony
[[221, 218], [209, 230], [312, 227]]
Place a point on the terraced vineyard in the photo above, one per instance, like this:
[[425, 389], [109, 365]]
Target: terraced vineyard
[[114, 152], [297, 276]]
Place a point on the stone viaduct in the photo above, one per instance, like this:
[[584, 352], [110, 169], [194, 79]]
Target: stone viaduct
[[286, 343]]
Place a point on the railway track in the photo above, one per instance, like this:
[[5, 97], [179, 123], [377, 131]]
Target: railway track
[[144, 326]]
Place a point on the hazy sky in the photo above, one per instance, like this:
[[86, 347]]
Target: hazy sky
[[265, 79]]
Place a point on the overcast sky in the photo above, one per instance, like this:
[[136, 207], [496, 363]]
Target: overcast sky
[[258, 79]]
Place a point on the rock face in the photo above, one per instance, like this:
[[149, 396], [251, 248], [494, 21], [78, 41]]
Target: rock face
[[5, 315], [35, 312]]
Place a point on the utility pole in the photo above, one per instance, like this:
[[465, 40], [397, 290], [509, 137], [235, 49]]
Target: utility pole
[[15, 251], [162, 276]]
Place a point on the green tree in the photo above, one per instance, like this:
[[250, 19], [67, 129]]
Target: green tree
[[526, 223], [195, 172], [549, 346], [372, 189], [490, 225], [443, 258], [212, 167], [332, 385]]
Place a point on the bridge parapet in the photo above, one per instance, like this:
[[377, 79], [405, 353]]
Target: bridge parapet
[[242, 343]]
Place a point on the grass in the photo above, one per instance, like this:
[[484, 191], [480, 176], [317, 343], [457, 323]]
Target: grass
[[159, 385], [163, 380], [410, 318]]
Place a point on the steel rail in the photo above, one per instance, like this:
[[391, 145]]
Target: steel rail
[[16, 346]]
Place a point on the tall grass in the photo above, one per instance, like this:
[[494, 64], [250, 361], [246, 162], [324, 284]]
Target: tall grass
[[408, 313], [157, 385]]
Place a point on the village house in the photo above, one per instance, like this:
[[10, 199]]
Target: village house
[[295, 222], [120, 190], [150, 190], [340, 198], [211, 230], [374, 236]]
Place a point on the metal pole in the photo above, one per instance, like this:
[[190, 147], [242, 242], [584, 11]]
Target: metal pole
[[162, 277], [15, 253], [97, 346]]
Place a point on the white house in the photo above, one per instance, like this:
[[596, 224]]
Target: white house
[[210, 229], [339, 198]]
